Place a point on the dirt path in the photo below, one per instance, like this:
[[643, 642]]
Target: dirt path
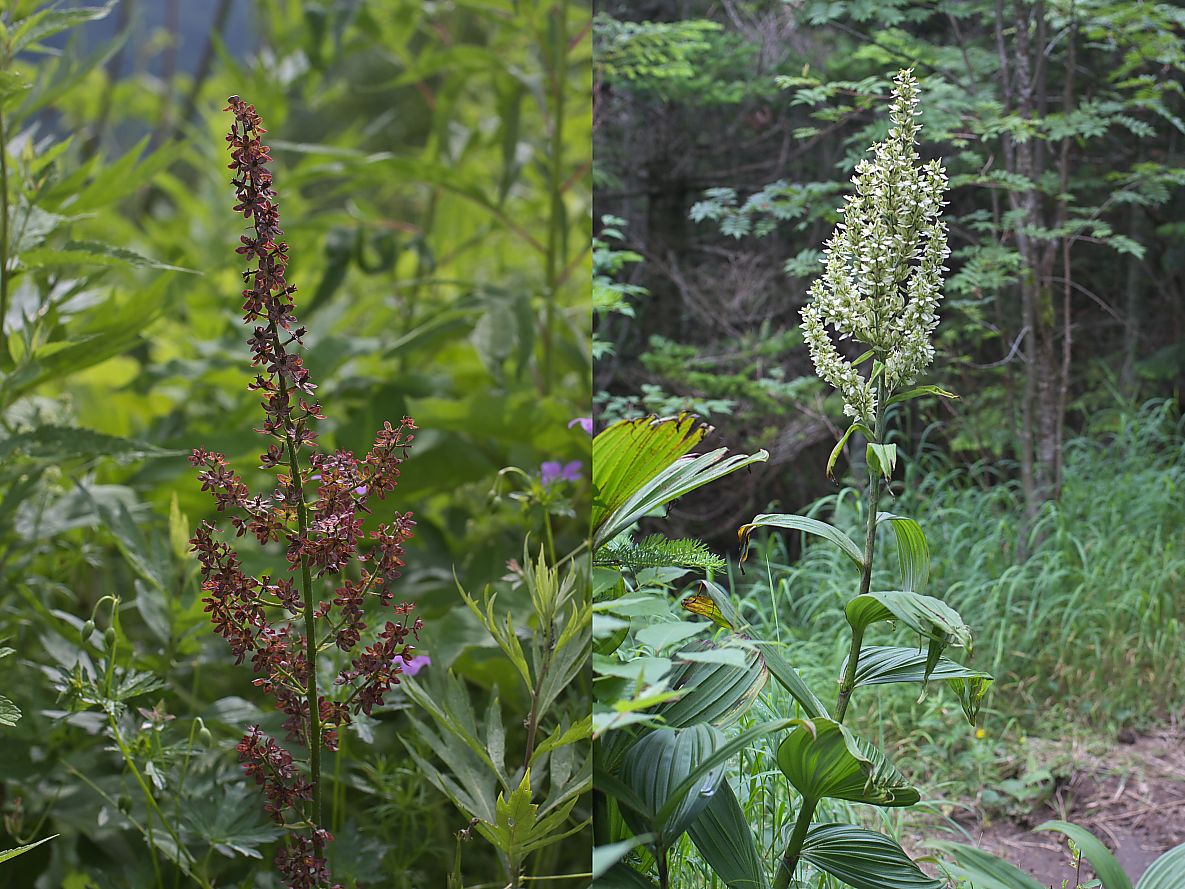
[[1132, 797]]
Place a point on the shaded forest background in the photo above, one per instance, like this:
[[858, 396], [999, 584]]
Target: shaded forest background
[[725, 136]]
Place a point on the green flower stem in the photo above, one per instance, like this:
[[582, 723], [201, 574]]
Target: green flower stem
[[557, 217], [794, 846], [848, 684], [802, 824], [310, 627], [3, 231]]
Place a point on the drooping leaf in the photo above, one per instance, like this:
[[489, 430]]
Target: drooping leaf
[[807, 526], [913, 552], [881, 664], [863, 859], [823, 759], [641, 465], [722, 835], [60, 443], [925, 615], [838, 449], [919, 392], [93, 253], [630, 453], [779, 668]]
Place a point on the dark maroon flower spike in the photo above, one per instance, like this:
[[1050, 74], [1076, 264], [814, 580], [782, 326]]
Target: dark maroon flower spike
[[281, 623]]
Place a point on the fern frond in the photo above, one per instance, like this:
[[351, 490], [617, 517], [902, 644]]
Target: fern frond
[[657, 551]]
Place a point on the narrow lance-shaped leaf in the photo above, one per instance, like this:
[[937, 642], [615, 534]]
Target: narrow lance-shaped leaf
[[807, 526], [1106, 867]]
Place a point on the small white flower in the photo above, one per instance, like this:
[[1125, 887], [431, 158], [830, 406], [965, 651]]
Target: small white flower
[[882, 277]]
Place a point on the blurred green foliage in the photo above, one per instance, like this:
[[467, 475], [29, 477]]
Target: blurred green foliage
[[433, 165]]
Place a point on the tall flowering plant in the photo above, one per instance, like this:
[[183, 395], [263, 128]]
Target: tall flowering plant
[[284, 621], [880, 288]]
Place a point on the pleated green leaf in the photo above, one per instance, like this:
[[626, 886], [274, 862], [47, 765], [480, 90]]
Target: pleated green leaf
[[719, 609], [1166, 872], [656, 766], [823, 759], [628, 454], [641, 465], [930, 617], [863, 858], [721, 834], [714, 693], [622, 876], [884, 664], [913, 552]]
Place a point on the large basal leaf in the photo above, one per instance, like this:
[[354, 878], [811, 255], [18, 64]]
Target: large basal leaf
[[721, 834], [930, 617], [630, 453], [662, 760], [714, 693], [983, 870], [1166, 871], [823, 759], [913, 552], [1105, 865], [805, 525], [863, 859]]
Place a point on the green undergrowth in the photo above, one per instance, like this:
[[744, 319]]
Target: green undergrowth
[[1078, 618]]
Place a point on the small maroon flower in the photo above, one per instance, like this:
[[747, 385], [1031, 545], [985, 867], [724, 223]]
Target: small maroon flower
[[317, 511]]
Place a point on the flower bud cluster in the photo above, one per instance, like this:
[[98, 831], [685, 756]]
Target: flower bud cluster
[[882, 280], [317, 511]]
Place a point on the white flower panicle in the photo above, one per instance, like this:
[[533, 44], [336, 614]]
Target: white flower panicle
[[883, 265]]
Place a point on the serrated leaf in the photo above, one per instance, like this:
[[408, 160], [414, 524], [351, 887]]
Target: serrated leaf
[[93, 253]]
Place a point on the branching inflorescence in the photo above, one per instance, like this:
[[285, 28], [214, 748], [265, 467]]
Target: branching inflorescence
[[317, 512]]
